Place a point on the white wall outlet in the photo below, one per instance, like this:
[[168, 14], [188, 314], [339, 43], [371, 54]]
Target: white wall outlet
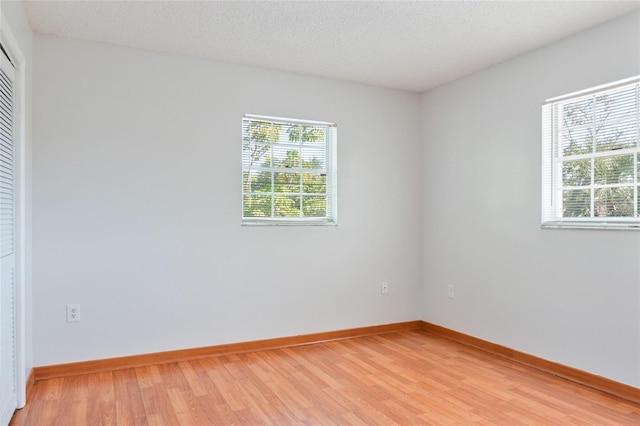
[[73, 313], [451, 291], [384, 288]]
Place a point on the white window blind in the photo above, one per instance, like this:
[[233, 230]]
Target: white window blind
[[591, 158], [288, 171]]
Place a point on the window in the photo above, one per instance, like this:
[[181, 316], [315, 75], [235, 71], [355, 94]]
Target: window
[[591, 158], [288, 171]]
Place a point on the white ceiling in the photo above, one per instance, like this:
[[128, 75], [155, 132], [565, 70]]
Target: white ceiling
[[399, 44]]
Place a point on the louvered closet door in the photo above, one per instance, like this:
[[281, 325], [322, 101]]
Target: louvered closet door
[[8, 396]]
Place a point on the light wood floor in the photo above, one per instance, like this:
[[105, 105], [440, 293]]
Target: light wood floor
[[405, 378]]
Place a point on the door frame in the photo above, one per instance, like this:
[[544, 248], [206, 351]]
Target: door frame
[[12, 47]]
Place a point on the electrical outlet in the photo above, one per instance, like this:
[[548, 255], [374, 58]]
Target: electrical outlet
[[451, 291], [73, 313], [384, 288]]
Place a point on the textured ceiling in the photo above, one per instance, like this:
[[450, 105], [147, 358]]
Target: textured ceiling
[[405, 45]]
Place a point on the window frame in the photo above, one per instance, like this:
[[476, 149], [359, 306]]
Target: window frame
[[553, 160], [330, 169]]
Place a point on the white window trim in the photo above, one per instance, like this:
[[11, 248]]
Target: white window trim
[[552, 171], [331, 219]]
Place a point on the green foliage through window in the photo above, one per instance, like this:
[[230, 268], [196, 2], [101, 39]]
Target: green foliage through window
[[592, 157], [288, 170]]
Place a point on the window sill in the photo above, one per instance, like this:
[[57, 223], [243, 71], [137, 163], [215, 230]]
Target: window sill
[[289, 222], [601, 225]]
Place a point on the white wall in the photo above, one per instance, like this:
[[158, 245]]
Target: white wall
[[15, 17], [570, 296], [137, 209], [137, 206]]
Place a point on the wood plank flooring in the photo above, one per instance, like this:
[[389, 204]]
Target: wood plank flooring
[[405, 378]]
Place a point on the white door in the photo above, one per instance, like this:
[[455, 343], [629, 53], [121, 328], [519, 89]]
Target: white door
[[8, 393]]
